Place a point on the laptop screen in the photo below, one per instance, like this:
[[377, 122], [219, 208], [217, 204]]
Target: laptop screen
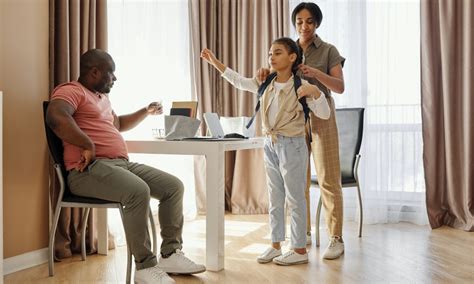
[[214, 124]]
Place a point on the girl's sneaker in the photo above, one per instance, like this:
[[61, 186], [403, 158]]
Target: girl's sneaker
[[269, 255], [291, 258]]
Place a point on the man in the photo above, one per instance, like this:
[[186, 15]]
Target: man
[[96, 157]]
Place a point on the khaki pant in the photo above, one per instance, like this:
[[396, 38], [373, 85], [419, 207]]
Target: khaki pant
[[132, 185], [325, 150]]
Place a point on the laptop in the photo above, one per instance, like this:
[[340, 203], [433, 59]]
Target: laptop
[[215, 129]]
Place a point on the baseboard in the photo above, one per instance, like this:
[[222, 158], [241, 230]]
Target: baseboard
[[24, 261]]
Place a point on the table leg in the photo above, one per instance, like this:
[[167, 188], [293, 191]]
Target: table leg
[[215, 210]]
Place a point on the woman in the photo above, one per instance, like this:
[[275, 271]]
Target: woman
[[322, 66]]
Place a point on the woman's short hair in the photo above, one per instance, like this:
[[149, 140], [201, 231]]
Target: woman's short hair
[[313, 9]]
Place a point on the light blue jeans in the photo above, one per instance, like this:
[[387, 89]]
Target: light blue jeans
[[285, 162]]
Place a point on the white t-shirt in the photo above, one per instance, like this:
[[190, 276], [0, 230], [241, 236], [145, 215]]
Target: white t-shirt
[[274, 103]]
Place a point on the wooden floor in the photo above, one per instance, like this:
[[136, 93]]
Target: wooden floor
[[402, 253]]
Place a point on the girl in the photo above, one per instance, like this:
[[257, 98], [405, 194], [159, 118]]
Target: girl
[[285, 148]]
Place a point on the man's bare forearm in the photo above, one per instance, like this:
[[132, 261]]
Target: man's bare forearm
[[131, 120]]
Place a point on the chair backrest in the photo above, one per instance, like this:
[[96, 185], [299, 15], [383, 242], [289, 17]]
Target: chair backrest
[[350, 123], [55, 145]]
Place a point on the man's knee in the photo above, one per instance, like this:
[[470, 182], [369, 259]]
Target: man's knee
[[140, 193], [178, 187]]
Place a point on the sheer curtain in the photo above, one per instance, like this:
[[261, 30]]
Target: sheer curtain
[[149, 41], [381, 43]]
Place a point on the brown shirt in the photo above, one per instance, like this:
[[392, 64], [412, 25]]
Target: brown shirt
[[323, 56]]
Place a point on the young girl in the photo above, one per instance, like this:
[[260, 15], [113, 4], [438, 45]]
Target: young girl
[[285, 148]]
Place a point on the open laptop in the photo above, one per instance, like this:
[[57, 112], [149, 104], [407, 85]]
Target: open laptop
[[215, 129]]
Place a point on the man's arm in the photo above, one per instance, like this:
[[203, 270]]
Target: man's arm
[[129, 121], [59, 119]]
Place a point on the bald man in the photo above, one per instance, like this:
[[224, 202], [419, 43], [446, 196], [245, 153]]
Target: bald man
[[96, 158]]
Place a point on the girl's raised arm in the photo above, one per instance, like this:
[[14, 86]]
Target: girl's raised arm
[[237, 80]]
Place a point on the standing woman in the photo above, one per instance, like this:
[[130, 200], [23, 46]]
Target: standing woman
[[322, 66]]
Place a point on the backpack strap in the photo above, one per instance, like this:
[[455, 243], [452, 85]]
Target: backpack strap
[[303, 103], [260, 92]]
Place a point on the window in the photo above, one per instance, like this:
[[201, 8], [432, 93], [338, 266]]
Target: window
[[149, 41], [381, 43]]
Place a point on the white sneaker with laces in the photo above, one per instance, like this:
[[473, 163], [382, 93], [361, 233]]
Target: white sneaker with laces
[[177, 263], [268, 255], [308, 239], [335, 248], [152, 275], [291, 258]]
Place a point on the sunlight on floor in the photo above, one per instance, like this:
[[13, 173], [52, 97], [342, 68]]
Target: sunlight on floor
[[254, 249]]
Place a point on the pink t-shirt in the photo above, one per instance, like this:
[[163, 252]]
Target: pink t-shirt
[[94, 116]]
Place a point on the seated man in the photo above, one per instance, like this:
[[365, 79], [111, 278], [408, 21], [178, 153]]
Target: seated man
[[96, 157]]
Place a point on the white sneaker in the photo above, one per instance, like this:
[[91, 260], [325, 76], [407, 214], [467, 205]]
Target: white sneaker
[[308, 239], [152, 275], [291, 258], [335, 248], [268, 255], [179, 264]]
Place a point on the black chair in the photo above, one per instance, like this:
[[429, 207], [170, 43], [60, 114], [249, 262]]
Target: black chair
[[67, 199], [350, 122]]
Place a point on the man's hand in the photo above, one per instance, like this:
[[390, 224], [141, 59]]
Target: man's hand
[[262, 74], [154, 108], [308, 90], [309, 72], [87, 157]]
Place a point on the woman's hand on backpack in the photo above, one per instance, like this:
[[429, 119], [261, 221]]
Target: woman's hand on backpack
[[308, 90]]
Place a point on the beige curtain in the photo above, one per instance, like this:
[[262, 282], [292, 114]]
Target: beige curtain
[[75, 26], [240, 33], [447, 74]]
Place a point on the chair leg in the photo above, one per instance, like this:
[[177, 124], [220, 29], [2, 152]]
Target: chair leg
[[85, 215], [153, 232], [318, 217], [52, 233], [285, 221], [128, 277], [360, 210]]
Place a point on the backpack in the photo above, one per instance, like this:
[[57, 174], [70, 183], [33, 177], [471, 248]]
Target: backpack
[[264, 85]]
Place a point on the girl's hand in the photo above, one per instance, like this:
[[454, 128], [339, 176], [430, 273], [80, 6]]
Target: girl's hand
[[308, 90], [309, 72], [209, 56]]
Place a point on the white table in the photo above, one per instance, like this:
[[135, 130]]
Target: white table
[[214, 153]]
